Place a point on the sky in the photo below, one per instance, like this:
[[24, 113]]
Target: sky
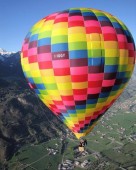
[[17, 17]]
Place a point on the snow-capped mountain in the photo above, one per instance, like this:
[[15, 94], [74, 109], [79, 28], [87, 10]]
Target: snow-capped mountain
[[9, 63], [5, 53]]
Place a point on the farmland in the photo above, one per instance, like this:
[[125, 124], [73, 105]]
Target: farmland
[[110, 145]]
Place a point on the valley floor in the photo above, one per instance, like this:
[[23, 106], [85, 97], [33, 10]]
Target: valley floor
[[111, 145]]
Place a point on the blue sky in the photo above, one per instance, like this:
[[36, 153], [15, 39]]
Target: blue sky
[[17, 17]]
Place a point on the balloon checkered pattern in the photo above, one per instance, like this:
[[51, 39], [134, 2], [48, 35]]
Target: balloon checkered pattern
[[78, 61]]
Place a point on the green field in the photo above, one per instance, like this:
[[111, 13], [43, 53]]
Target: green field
[[114, 148]]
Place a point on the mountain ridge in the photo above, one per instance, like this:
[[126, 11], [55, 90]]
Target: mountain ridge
[[23, 117], [5, 52]]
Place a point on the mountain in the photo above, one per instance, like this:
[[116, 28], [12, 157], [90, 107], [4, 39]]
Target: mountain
[[9, 64], [23, 117], [6, 53]]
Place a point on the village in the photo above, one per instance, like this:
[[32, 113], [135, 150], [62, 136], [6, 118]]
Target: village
[[69, 164], [81, 159]]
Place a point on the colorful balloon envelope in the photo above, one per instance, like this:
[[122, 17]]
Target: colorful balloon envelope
[[78, 61]]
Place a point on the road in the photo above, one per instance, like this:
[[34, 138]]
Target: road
[[29, 165]]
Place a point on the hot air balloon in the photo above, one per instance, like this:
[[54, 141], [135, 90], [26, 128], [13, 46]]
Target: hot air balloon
[[78, 61]]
